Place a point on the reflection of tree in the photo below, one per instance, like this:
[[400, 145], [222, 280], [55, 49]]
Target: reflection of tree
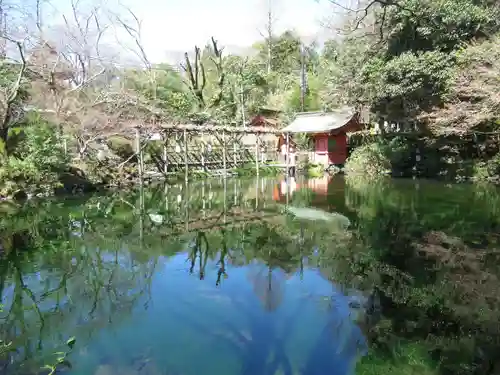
[[279, 252], [432, 257], [62, 283], [222, 259], [83, 267], [260, 348], [200, 253], [268, 288]]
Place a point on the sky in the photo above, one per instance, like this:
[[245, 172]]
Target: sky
[[180, 24], [173, 26]]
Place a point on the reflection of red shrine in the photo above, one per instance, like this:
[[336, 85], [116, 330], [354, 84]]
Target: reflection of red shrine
[[280, 189], [322, 187]]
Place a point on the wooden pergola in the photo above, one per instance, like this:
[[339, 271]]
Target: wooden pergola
[[185, 145]]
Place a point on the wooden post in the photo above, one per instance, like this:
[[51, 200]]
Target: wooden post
[[138, 153], [203, 197], [224, 152], [235, 192], [210, 195], [234, 154], [165, 192], [203, 152], [257, 193], [186, 202], [225, 199], [264, 192], [141, 213], [257, 153], [287, 156], [165, 159], [287, 168], [141, 158], [185, 156]]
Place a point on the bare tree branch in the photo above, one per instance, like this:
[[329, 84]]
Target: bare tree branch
[[268, 35], [196, 74], [362, 13], [12, 92], [135, 34]]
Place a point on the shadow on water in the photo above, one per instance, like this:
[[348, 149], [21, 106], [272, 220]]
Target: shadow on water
[[412, 283]]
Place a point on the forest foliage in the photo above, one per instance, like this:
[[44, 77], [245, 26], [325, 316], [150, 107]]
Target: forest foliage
[[419, 65]]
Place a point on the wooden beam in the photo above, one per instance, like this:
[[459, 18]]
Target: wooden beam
[[219, 128]]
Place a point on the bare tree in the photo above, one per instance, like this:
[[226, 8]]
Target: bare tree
[[146, 113], [68, 75], [14, 38], [268, 33], [10, 95], [197, 79], [133, 29], [361, 14]]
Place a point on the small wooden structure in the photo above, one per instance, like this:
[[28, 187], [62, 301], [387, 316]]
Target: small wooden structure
[[328, 131], [265, 118], [208, 148]]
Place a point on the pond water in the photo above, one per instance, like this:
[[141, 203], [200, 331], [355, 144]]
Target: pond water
[[254, 277]]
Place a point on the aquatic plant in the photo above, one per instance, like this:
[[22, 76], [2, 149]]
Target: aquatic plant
[[61, 358], [4, 347]]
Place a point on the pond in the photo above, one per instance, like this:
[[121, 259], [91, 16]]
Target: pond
[[254, 277]]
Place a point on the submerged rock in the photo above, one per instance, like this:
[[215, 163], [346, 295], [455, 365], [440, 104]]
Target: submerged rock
[[105, 370], [144, 366]]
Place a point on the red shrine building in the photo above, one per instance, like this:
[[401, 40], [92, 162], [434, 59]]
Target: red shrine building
[[328, 133]]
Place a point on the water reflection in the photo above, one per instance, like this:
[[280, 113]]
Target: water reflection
[[227, 277]]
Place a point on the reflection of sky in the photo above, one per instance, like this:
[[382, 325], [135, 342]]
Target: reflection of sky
[[193, 327]]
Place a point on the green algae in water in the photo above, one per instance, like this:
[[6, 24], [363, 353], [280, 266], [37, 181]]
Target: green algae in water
[[409, 359]]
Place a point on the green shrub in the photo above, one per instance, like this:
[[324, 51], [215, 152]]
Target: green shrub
[[369, 159], [121, 146], [37, 159], [487, 170], [314, 170], [42, 147], [377, 158], [249, 169]]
